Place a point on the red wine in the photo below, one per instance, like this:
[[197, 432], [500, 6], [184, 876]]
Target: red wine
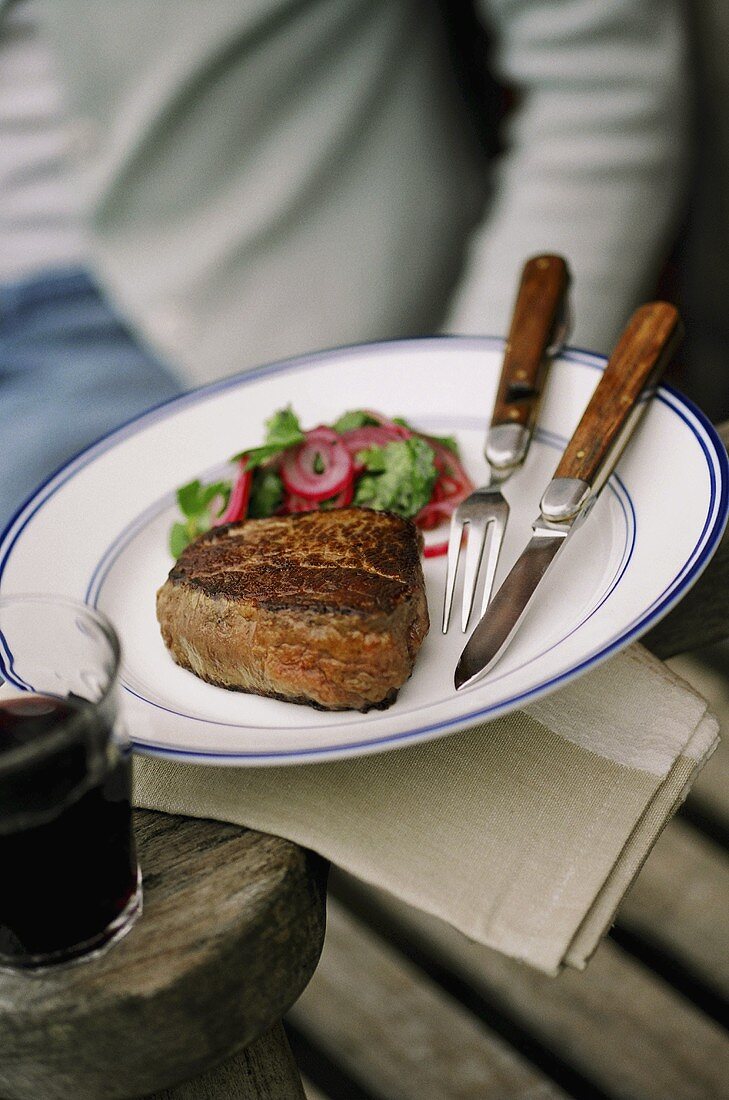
[[68, 866]]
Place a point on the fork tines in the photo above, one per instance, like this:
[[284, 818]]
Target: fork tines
[[484, 522]]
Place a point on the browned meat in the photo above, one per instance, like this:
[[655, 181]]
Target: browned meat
[[325, 608]]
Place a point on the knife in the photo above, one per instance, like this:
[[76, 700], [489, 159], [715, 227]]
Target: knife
[[620, 400]]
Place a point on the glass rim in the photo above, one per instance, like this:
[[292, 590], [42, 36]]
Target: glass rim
[[68, 731]]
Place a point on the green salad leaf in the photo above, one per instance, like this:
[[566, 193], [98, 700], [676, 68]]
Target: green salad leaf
[[200, 505], [399, 477], [283, 430], [179, 539], [355, 418], [266, 494], [448, 441]]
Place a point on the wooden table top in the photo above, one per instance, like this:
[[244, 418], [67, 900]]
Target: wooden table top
[[231, 932]]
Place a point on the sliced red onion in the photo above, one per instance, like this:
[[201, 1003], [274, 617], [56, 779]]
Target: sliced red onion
[[435, 549], [293, 503], [433, 513], [301, 477], [346, 496], [449, 466], [322, 434], [238, 504], [449, 487]]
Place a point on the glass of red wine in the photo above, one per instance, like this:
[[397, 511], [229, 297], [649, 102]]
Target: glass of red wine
[[70, 884]]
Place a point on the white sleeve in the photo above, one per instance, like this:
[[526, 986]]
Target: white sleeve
[[595, 158]]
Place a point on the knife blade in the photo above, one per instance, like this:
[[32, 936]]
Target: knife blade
[[619, 402]]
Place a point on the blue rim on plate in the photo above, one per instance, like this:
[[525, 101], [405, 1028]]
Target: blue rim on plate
[[715, 521]]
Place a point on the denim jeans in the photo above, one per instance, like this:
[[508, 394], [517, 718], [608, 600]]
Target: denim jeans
[[70, 371]]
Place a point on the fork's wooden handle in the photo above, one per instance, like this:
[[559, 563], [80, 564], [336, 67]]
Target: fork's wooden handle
[[639, 359], [540, 302]]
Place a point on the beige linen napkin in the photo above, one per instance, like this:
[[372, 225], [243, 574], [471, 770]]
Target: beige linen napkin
[[524, 832]]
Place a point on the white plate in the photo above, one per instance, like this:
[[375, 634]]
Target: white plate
[[98, 530]]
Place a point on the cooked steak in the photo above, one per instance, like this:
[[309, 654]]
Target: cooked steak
[[326, 608]]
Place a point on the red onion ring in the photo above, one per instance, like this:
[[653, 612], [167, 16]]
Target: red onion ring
[[449, 466], [435, 550], [299, 473], [345, 497], [238, 503], [433, 513], [293, 503], [322, 434]]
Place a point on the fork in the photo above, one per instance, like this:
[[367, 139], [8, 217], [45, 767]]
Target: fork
[[539, 326]]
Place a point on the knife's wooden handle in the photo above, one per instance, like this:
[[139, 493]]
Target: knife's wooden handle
[[639, 359], [539, 303]]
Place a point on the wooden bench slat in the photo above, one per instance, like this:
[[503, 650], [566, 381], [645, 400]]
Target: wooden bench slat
[[678, 900], [708, 672], [399, 1034], [263, 1070], [618, 1024]]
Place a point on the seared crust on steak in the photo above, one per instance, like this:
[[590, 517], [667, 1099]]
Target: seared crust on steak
[[326, 608]]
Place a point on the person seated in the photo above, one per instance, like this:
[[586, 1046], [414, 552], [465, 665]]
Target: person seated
[[188, 191]]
